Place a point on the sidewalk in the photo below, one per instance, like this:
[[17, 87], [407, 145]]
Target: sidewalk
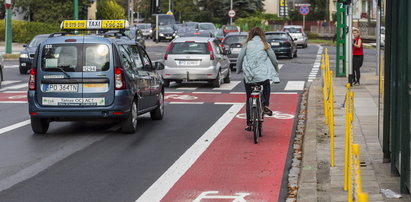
[[16, 48], [319, 181]]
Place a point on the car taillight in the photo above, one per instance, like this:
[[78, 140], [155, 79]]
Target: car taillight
[[120, 83], [222, 46], [301, 30], [210, 48], [32, 79], [287, 41], [168, 50]]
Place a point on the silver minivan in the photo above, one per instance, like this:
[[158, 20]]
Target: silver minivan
[[196, 59]]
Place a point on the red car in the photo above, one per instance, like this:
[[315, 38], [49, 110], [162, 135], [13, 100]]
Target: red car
[[230, 28]]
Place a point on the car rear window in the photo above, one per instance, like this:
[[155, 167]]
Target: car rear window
[[276, 36], [292, 30], [189, 48], [72, 57], [235, 39], [206, 26], [231, 28]]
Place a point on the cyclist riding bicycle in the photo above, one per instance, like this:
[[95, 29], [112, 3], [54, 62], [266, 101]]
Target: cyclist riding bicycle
[[259, 64]]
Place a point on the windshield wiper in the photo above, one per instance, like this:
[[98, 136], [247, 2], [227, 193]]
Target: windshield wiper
[[62, 70]]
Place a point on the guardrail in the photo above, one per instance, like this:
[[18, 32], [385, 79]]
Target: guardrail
[[352, 163], [328, 99]]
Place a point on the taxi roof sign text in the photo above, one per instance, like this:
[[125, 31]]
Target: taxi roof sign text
[[94, 24]]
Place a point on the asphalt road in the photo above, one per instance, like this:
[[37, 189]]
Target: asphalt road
[[93, 161]]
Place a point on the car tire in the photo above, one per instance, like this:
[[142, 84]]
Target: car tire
[[305, 45], [39, 125], [216, 82], [227, 78], [158, 112], [129, 125], [22, 70], [166, 83]]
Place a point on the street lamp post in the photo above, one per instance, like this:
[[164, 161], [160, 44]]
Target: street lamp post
[[76, 9], [8, 27], [231, 8]]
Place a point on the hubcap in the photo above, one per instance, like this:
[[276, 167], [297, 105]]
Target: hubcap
[[134, 114], [161, 103]]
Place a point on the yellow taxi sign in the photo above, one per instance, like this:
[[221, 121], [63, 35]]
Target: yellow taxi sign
[[94, 24]]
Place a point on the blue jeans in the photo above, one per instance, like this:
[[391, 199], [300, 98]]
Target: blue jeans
[[266, 95]]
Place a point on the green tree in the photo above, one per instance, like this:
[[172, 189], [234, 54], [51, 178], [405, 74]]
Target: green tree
[[110, 10]]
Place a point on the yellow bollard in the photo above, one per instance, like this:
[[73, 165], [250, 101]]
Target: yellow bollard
[[331, 121], [347, 134], [362, 197], [324, 71]]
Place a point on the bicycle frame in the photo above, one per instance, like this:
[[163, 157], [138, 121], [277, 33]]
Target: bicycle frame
[[257, 102]]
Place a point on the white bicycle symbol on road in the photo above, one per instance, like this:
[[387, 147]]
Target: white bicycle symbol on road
[[276, 115], [181, 97]]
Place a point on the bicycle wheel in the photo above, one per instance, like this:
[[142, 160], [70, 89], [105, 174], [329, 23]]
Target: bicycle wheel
[[260, 119], [256, 125]]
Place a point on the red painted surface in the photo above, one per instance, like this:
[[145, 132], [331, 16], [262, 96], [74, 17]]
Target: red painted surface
[[13, 96], [234, 164]]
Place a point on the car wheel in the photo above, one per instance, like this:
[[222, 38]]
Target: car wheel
[[39, 125], [305, 45], [227, 78], [158, 113], [22, 70], [166, 83], [129, 125], [217, 81]]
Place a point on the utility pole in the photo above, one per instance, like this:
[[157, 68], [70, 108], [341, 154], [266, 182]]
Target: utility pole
[[8, 27], [131, 11], [169, 5], [157, 12], [349, 42], [76, 9], [231, 8], [378, 33]]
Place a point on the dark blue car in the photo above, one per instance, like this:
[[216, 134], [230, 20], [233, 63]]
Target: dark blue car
[[27, 55], [93, 77]]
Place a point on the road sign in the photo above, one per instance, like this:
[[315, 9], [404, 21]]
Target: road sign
[[8, 4], [169, 13], [231, 13], [304, 10]]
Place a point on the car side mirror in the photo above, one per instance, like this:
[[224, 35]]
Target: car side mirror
[[158, 66], [25, 45]]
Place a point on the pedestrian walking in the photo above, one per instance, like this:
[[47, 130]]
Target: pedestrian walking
[[358, 56], [258, 62]]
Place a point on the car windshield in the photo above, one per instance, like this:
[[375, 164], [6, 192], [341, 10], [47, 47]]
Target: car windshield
[[71, 58], [206, 26], [235, 39], [189, 48], [37, 40], [277, 36], [144, 26], [293, 29], [166, 29]]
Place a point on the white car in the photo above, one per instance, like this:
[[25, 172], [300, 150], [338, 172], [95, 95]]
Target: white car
[[298, 34]]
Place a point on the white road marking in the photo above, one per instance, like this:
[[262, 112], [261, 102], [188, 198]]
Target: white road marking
[[163, 184], [207, 92], [316, 66], [15, 91], [14, 87], [11, 66], [295, 85], [228, 86], [186, 103], [174, 92], [228, 103], [237, 93], [279, 93], [9, 82], [280, 66], [14, 126]]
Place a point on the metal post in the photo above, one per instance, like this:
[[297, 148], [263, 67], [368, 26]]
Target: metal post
[[303, 22], [378, 32], [169, 5], [349, 44], [8, 31], [231, 8], [341, 40], [157, 4], [76, 9]]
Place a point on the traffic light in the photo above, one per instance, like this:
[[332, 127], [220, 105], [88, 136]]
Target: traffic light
[[155, 9], [84, 12]]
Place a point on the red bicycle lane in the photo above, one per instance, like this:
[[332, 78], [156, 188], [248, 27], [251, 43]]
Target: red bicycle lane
[[233, 167]]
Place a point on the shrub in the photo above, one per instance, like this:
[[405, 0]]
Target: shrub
[[24, 31]]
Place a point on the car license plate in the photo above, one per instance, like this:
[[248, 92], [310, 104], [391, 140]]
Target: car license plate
[[188, 63], [235, 50], [58, 101], [275, 43], [62, 88], [169, 37]]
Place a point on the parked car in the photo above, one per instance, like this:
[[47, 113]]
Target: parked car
[[234, 41], [282, 43], [165, 33], [93, 77], [196, 59], [298, 34], [230, 28], [146, 30], [27, 55], [1, 69]]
